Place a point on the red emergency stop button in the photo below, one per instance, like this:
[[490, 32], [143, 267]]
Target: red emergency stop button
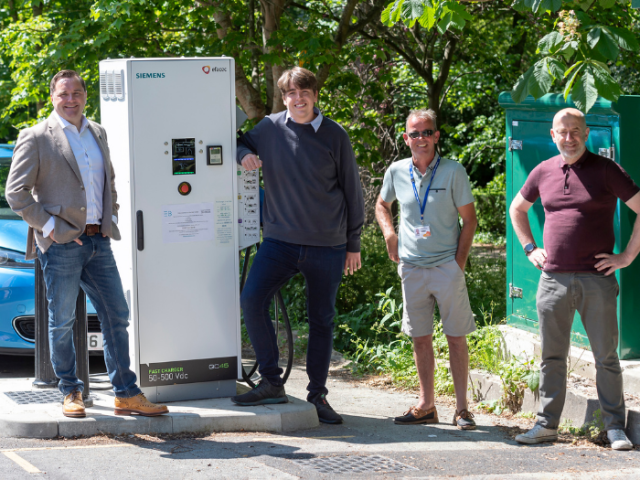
[[184, 188]]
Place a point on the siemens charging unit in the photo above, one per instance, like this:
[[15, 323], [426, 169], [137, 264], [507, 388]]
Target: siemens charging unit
[[186, 208]]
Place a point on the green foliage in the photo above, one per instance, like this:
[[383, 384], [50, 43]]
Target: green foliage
[[592, 429], [529, 415], [301, 340], [488, 238], [516, 376], [479, 145], [380, 346], [428, 13], [486, 347], [491, 206], [580, 52], [378, 274], [486, 279]]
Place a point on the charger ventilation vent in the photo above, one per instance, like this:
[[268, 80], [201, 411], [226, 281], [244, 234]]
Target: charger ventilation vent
[[103, 85], [118, 85], [112, 85]]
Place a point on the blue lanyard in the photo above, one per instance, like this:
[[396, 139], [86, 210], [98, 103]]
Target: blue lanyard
[[422, 204]]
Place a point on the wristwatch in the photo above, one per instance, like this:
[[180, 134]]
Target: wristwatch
[[529, 248]]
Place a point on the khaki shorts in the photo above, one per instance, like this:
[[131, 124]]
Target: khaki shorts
[[423, 287]]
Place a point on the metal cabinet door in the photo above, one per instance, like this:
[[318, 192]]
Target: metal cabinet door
[[533, 144]]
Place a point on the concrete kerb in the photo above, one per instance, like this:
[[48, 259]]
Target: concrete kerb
[[200, 416], [577, 408], [521, 343]]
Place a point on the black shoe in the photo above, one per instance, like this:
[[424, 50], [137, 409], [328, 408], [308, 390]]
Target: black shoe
[[416, 416], [263, 393], [326, 414]]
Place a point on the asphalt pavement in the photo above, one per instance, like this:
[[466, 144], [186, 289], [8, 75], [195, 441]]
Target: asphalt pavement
[[367, 445]]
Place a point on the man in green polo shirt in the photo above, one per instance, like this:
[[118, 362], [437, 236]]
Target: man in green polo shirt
[[431, 251]]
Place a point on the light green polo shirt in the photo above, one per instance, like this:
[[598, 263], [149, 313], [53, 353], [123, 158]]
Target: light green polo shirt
[[450, 189]]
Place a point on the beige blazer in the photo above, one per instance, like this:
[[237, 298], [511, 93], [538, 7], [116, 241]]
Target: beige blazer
[[45, 181]]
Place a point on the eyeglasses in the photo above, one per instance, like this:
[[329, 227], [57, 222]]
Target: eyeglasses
[[424, 133], [572, 133]]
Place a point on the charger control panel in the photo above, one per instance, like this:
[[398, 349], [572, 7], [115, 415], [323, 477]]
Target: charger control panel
[[248, 207]]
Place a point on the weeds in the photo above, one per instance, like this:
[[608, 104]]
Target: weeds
[[529, 415], [516, 377], [593, 429]]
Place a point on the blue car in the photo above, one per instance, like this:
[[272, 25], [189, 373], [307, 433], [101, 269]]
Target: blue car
[[17, 316]]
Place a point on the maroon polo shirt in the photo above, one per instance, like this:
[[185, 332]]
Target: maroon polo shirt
[[579, 202]]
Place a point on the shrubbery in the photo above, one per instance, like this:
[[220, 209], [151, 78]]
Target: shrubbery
[[491, 208]]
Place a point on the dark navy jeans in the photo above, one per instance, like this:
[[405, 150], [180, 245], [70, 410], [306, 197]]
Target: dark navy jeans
[[66, 267], [275, 263]]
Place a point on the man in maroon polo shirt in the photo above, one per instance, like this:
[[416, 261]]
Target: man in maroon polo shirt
[[579, 192]]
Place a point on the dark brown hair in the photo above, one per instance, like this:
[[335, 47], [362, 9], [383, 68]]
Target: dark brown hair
[[297, 77], [65, 74]]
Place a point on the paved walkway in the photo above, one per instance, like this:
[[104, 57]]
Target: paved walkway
[[368, 445]]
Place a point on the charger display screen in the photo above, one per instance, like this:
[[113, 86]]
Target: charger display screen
[[214, 155], [183, 156]]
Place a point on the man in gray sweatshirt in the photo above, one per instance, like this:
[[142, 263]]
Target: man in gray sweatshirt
[[312, 217]]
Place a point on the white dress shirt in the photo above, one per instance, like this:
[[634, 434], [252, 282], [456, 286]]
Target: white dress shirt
[[91, 164], [315, 123]]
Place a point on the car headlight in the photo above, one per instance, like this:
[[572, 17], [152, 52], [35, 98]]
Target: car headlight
[[13, 259]]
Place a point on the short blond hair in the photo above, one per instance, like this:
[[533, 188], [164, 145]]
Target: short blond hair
[[425, 114]]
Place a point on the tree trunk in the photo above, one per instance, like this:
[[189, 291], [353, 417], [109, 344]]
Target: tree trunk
[[37, 12], [255, 57], [272, 11], [13, 11], [519, 47], [268, 80], [248, 96]]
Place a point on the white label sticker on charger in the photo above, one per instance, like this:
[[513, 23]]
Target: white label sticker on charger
[[193, 222]]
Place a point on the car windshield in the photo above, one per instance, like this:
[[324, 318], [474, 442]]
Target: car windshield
[[5, 211]]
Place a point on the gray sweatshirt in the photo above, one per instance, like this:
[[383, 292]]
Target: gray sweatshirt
[[312, 187]]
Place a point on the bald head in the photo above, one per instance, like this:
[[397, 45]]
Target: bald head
[[571, 114], [570, 134]]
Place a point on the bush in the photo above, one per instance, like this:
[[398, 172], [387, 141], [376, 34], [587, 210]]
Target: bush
[[491, 206]]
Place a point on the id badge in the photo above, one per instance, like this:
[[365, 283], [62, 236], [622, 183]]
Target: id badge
[[423, 231]]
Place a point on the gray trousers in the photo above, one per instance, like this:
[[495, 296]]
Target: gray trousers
[[594, 296]]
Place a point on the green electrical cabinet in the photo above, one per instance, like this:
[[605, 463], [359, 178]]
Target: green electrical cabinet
[[614, 133]]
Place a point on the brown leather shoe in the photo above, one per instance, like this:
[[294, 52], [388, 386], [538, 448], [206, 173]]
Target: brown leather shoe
[[73, 406], [416, 416], [139, 405], [464, 420]]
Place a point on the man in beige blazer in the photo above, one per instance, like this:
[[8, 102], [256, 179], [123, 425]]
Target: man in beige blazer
[[62, 184]]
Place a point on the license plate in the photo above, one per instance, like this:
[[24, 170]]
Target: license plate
[[95, 341]]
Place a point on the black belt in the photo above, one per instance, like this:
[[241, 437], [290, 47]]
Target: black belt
[[92, 229]]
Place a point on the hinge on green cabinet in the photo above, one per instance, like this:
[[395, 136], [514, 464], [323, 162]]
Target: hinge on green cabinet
[[608, 152], [515, 292], [514, 144]]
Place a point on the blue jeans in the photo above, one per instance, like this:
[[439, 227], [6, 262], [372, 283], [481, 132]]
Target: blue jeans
[[67, 267], [274, 264]]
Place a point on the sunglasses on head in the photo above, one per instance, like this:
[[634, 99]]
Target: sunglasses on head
[[424, 133]]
